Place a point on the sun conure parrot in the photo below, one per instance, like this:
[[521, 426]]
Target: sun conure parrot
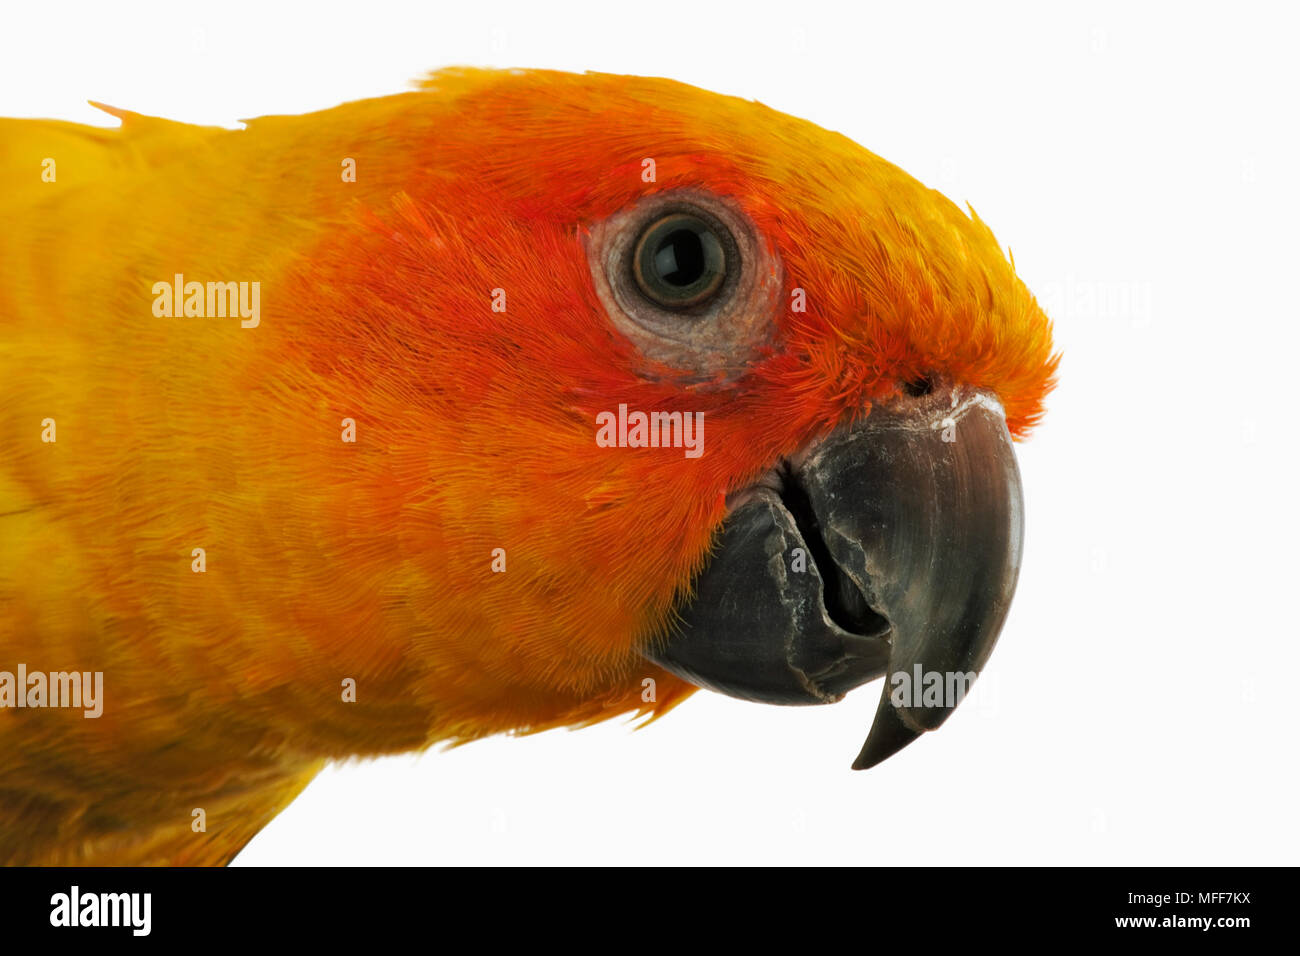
[[521, 400]]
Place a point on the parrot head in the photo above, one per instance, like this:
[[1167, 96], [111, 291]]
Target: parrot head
[[730, 398]]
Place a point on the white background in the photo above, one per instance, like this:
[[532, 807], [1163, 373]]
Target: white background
[[1141, 163]]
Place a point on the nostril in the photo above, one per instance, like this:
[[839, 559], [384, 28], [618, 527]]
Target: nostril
[[919, 387]]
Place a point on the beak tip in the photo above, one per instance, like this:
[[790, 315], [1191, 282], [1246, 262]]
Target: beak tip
[[889, 734]]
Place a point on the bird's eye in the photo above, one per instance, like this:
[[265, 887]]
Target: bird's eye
[[686, 276], [679, 260]]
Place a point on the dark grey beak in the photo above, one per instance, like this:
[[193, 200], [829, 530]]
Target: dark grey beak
[[891, 548]]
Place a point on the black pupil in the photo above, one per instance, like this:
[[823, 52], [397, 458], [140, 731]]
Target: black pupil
[[680, 257]]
